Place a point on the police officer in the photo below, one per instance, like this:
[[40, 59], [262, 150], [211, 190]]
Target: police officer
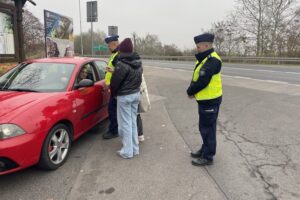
[[206, 88], [113, 45]]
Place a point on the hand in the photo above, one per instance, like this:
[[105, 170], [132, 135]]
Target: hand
[[191, 97], [108, 69]]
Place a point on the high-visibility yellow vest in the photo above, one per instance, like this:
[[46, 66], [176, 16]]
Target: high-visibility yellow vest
[[214, 88], [110, 65]]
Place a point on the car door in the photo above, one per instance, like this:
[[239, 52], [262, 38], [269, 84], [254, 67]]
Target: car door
[[88, 100]]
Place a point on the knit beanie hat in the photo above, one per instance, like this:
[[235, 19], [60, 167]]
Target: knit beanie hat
[[126, 46]]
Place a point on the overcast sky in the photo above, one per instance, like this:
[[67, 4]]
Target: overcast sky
[[174, 21]]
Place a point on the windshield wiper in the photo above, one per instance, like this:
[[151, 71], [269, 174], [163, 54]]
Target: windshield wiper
[[21, 90]]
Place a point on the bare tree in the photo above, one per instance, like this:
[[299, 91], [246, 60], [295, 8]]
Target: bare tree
[[252, 19], [34, 39], [229, 39], [259, 27], [293, 35], [98, 38]]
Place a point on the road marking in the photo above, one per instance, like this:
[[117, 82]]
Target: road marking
[[237, 77], [261, 70], [268, 81], [233, 68]]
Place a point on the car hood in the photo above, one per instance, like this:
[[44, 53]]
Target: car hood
[[15, 103]]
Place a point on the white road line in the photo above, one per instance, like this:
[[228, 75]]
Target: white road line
[[292, 72], [260, 70], [174, 62], [238, 77], [245, 69], [259, 80]]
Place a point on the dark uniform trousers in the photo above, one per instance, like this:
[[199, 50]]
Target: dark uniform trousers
[[139, 122], [208, 115], [112, 112]]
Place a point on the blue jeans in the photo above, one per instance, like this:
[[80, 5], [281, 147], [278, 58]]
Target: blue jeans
[[127, 106]]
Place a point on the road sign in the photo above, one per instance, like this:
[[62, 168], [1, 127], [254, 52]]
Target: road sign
[[100, 47], [92, 11], [112, 30]]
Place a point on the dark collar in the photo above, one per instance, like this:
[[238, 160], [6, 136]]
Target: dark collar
[[201, 56], [115, 50]]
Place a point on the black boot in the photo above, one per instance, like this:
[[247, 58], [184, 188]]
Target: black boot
[[201, 162], [109, 135], [197, 154]]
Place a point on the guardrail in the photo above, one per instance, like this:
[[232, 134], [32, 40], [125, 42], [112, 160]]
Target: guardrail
[[257, 60], [229, 59]]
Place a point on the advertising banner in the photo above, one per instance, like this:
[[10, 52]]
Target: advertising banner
[[7, 45], [59, 35]]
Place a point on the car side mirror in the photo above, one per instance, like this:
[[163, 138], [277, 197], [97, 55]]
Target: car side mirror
[[84, 83]]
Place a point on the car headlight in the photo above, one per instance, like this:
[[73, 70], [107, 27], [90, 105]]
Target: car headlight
[[10, 130]]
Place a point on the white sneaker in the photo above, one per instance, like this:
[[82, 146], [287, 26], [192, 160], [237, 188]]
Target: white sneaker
[[141, 138]]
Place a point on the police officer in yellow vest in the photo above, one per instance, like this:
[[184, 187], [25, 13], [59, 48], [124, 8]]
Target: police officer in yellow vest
[[113, 45], [206, 88]]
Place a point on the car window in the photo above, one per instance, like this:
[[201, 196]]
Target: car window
[[86, 72], [41, 77], [101, 67]]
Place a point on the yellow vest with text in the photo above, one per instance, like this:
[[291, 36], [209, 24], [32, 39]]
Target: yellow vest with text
[[214, 89], [110, 65]]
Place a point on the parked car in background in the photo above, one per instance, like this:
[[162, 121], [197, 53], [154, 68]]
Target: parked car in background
[[46, 104]]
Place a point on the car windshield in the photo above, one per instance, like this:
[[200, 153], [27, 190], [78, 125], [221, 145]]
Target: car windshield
[[37, 77]]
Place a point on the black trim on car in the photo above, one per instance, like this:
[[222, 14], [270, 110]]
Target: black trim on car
[[93, 112], [7, 164]]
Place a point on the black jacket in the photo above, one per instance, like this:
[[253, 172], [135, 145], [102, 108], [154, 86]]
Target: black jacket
[[127, 77], [211, 67]]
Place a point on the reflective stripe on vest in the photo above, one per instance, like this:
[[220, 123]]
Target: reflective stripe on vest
[[110, 65], [214, 88]]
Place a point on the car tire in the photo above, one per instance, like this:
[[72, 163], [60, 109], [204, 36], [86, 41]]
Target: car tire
[[56, 148]]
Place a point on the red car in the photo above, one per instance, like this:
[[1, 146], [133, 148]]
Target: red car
[[45, 104]]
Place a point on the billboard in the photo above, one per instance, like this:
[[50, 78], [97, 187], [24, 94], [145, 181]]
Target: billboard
[[7, 44], [59, 35]]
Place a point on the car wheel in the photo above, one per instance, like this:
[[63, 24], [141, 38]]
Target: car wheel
[[56, 148]]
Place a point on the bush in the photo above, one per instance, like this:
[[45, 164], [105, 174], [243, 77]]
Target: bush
[[4, 67]]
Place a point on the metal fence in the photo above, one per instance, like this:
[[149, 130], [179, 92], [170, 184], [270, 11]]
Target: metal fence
[[254, 60]]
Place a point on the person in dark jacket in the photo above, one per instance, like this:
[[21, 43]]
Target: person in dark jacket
[[125, 85], [206, 88]]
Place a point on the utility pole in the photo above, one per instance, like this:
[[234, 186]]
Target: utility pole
[[92, 32], [81, 43], [19, 5], [92, 16]]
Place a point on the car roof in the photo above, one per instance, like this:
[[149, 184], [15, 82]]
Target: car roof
[[69, 60]]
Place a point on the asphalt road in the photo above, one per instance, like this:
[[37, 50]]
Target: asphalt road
[[257, 154], [284, 74], [258, 129]]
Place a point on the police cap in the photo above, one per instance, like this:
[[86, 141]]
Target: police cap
[[205, 37], [111, 38]]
